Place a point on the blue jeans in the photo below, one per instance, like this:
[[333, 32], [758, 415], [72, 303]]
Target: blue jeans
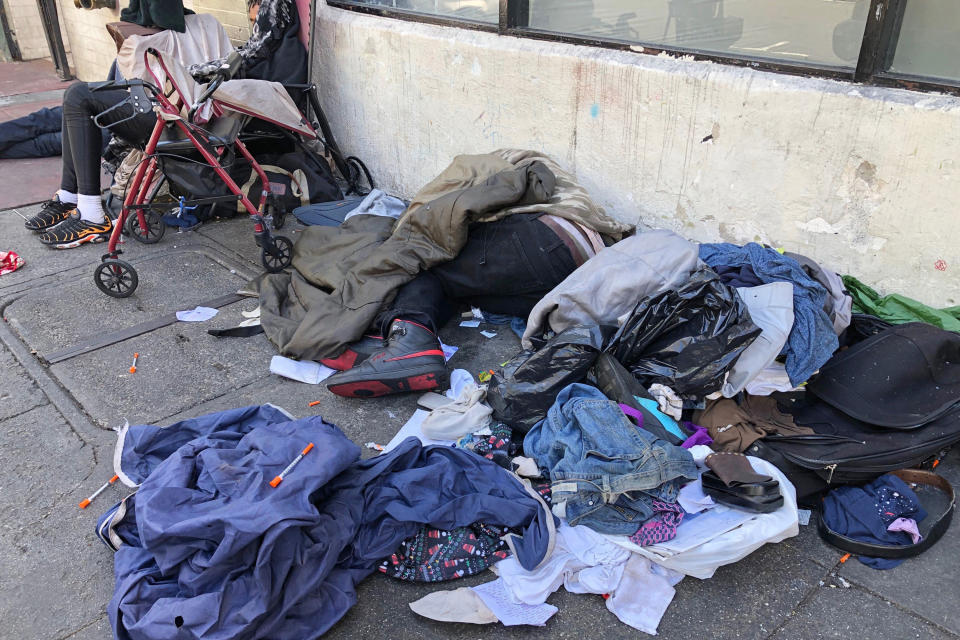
[[35, 135], [607, 470]]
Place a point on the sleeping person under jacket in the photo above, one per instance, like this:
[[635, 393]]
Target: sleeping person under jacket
[[497, 231]]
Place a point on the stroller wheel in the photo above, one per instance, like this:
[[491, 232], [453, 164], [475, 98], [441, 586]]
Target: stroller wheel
[[277, 254], [154, 231], [116, 278]]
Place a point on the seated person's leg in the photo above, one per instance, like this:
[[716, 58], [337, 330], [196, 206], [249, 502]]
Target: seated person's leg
[[506, 266], [64, 202], [80, 177]]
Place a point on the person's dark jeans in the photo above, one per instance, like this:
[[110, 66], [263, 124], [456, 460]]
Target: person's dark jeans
[[82, 141], [506, 267], [36, 135]]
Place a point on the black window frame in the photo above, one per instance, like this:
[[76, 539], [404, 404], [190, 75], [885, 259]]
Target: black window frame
[[880, 36]]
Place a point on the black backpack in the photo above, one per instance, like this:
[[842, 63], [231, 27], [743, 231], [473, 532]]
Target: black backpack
[[296, 179]]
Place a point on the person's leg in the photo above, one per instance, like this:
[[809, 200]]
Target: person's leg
[[17, 135], [43, 146], [82, 145], [410, 358], [63, 204], [507, 266], [80, 105], [421, 301]]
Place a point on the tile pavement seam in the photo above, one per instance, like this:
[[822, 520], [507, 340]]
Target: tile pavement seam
[[224, 247], [803, 601], [220, 254], [82, 627], [211, 399], [63, 401], [902, 608], [20, 413]]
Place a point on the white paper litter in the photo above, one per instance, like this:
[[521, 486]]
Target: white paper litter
[[471, 324], [412, 428], [694, 532], [803, 516], [489, 334], [495, 595], [448, 351], [306, 371], [692, 499], [199, 314]]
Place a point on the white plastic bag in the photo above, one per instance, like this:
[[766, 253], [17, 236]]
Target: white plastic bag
[[729, 547]]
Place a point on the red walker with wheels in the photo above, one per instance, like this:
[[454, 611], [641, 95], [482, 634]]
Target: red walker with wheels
[[228, 103]]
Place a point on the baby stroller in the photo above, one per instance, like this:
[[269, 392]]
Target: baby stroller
[[208, 124]]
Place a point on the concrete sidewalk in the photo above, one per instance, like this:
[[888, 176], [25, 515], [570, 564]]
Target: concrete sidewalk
[[56, 446]]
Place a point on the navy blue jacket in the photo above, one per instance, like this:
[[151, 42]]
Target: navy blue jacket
[[214, 551]]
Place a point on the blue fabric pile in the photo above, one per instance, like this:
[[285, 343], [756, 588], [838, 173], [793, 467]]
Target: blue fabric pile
[[211, 550], [812, 339]]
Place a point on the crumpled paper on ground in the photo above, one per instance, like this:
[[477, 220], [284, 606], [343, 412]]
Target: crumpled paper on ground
[[9, 262]]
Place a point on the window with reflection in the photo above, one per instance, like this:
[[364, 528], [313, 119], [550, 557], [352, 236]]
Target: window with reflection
[[803, 31]]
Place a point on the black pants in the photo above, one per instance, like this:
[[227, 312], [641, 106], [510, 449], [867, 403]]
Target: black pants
[[82, 141], [506, 267]]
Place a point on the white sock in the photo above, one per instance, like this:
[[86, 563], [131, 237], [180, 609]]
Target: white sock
[[66, 196], [91, 208]]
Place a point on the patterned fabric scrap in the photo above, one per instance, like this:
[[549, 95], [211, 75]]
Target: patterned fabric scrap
[[497, 446], [435, 555], [662, 526]]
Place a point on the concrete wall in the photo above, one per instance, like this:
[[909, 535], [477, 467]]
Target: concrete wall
[[864, 180], [24, 20], [93, 49]]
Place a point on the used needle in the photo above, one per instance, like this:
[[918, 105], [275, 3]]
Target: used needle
[[86, 503], [283, 474]]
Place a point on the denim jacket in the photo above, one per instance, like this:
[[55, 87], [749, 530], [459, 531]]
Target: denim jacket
[[604, 468]]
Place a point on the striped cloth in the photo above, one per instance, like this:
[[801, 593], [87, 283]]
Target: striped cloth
[[582, 242]]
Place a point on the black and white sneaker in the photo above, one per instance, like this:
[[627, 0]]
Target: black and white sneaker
[[75, 232], [51, 214]]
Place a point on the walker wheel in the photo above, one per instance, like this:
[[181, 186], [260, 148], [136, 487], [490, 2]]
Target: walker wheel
[[116, 278], [277, 254], [154, 231]]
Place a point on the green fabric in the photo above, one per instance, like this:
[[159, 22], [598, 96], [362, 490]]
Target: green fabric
[[899, 309], [163, 14]]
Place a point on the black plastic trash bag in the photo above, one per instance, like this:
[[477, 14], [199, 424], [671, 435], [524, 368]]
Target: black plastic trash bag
[[686, 338], [527, 385]]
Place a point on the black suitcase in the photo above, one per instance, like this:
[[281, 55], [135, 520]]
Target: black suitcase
[[844, 450], [891, 401]]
